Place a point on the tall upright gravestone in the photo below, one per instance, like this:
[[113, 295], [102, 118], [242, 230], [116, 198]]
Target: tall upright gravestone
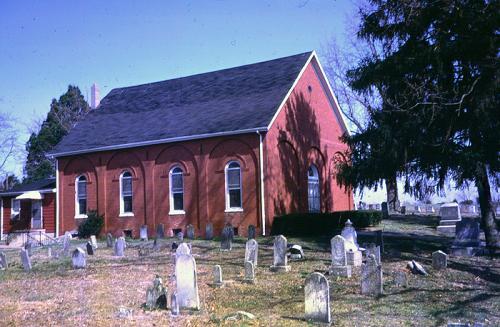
[[120, 245], [3, 261], [249, 272], [160, 231], [280, 258], [226, 241], [93, 241], [66, 243], [252, 251], [218, 282], [371, 277], [187, 284], [143, 233], [26, 261], [339, 265], [209, 231], [109, 240], [190, 232], [317, 298]]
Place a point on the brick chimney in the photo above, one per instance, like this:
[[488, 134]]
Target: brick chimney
[[95, 97]]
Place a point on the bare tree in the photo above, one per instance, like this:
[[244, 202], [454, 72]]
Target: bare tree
[[9, 145]]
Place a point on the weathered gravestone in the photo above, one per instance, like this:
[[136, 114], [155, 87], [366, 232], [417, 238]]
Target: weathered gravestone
[[49, 252], [226, 240], [354, 256], [317, 298], [78, 259], [109, 240], [400, 279], [160, 231], [90, 248], [190, 232], [252, 251], [182, 249], [371, 277], [339, 265], [156, 296], [296, 252], [93, 241], [251, 232], [3, 261], [439, 260], [375, 250], [218, 282], [26, 261], [66, 243], [280, 258], [385, 210], [28, 247], [209, 231], [143, 233], [450, 215], [180, 236], [174, 305], [120, 245], [249, 272], [187, 284], [466, 241]]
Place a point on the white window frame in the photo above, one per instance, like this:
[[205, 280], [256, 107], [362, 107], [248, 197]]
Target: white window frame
[[228, 207], [172, 211], [12, 208], [77, 203], [317, 180], [122, 204]]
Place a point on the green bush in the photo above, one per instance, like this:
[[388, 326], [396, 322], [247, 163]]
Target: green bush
[[91, 225], [318, 224]]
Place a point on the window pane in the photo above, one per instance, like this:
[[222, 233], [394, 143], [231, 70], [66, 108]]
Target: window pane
[[127, 204], [82, 204], [233, 178], [235, 198], [177, 183], [127, 186], [82, 190], [178, 201]]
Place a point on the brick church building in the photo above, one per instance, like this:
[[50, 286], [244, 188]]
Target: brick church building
[[239, 145]]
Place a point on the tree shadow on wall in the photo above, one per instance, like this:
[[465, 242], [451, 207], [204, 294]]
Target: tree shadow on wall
[[298, 138]]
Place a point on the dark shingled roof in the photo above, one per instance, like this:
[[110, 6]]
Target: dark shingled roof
[[229, 100], [43, 184]]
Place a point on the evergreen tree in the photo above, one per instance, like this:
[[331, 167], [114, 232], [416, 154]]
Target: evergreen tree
[[438, 73], [63, 115]]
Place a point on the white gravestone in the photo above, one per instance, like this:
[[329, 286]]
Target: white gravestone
[[93, 241], [143, 233], [252, 251], [439, 260], [218, 282], [317, 298], [66, 243], [182, 249], [339, 265], [280, 254], [354, 256], [78, 258], [187, 284]]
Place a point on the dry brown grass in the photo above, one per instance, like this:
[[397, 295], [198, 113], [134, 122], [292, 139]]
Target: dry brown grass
[[54, 294]]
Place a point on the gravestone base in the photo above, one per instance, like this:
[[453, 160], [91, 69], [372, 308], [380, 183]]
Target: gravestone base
[[341, 271], [250, 281], [466, 251], [218, 285], [280, 268], [354, 258]]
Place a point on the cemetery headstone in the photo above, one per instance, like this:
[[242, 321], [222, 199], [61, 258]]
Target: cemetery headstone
[[450, 215], [109, 240], [317, 298], [28, 246], [252, 251], [190, 232], [156, 244], [209, 231], [66, 243], [3, 261], [280, 257], [226, 241], [439, 260], [385, 210], [400, 279], [26, 261], [143, 233], [249, 272], [93, 241], [295, 251], [180, 236], [90, 248], [78, 258], [160, 231], [187, 284], [375, 250], [218, 276], [156, 296], [182, 249], [49, 252], [354, 256], [466, 241], [174, 305], [371, 277], [339, 265], [120, 247], [251, 232]]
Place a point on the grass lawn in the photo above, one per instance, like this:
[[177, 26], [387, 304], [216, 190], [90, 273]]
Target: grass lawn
[[54, 294]]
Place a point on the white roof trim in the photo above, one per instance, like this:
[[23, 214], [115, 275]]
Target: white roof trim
[[47, 190], [160, 141], [282, 104]]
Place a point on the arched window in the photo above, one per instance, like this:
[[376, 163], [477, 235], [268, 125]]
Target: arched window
[[176, 181], [313, 192], [126, 193], [81, 197], [233, 186]]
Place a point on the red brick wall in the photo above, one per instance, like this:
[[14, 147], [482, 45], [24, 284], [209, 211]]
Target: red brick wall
[[305, 132], [203, 163], [48, 211]]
